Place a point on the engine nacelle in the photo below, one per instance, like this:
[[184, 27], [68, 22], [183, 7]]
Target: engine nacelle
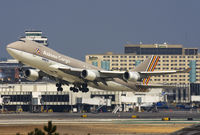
[[31, 74], [131, 76], [90, 74]]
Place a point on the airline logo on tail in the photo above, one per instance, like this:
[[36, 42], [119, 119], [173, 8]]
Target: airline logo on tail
[[151, 67]]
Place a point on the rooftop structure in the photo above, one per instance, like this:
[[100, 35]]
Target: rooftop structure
[[159, 49], [35, 36]]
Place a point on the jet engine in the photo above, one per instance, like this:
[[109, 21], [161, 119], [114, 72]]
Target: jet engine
[[131, 76], [90, 74], [31, 74]]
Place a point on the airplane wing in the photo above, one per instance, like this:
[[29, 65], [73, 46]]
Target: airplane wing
[[119, 74], [103, 74], [112, 74], [67, 69], [156, 73], [144, 86]]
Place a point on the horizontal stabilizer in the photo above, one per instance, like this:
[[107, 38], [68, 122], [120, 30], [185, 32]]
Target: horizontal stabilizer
[[155, 86], [156, 73]]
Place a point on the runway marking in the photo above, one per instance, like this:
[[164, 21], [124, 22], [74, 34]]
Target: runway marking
[[97, 121]]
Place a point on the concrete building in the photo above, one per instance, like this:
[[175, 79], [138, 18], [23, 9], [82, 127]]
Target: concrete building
[[9, 72], [37, 96], [35, 36], [172, 57]]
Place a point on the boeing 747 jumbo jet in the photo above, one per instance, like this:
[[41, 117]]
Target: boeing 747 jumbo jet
[[69, 71]]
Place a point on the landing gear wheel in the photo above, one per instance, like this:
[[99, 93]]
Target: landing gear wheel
[[59, 87], [75, 90], [84, 88]]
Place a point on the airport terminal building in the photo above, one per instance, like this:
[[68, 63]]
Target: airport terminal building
[[41, 97]]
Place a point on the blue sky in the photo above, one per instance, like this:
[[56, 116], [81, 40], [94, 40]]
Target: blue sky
[[79, 27]]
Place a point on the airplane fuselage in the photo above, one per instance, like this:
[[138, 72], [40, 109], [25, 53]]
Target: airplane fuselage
[[43, 58]]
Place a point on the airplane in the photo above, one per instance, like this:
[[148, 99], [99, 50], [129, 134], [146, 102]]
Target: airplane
[[69, 71]]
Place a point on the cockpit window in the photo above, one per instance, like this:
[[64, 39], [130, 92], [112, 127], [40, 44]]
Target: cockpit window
[[22, 40]]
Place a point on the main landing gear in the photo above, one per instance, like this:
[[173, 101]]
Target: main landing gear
[[59, 87], [82, 88]]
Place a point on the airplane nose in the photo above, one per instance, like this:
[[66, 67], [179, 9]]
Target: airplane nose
[[18, 45], [12, 45], [9, 46]]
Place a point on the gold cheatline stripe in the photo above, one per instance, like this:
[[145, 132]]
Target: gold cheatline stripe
[[157, 59], [144, 80], [152, 61], [155, 64], [148, 80]]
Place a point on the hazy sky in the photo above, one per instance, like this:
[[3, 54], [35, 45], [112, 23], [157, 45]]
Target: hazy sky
[[80, 27]]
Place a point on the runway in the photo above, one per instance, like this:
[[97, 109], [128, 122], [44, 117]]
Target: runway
[[104, 115], [120, 118], [94, 121], [101, 123]]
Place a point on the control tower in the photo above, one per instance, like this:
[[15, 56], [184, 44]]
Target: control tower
[[35, 36]]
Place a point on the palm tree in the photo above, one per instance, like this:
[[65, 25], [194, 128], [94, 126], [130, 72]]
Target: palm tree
[[36, 132], [50, 129]]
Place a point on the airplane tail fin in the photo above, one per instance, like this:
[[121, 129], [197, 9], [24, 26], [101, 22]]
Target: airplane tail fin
[[148, 65]]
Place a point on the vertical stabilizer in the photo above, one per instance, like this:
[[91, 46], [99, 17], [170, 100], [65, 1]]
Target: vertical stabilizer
[[148, 65]]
